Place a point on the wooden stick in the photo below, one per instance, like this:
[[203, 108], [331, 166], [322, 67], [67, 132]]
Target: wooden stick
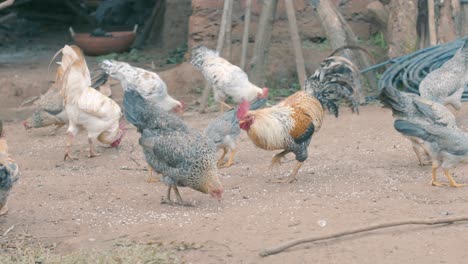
[[219, 47], [245, 37], [431, 23], [292, 243], [296, 41], [228, 39]]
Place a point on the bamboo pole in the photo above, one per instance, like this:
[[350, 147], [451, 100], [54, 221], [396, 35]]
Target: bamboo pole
[[431, 22], [219, 48], [296, 41], [6, 4], [245, 37], [228, 40]]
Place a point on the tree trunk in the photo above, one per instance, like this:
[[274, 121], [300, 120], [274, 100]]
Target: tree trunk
[[228, 40], [464, 19], [296, 41], [446, 26], [262, 41], [379, 13], [245, 37], [340, 34], [403, 37], [219, 48]]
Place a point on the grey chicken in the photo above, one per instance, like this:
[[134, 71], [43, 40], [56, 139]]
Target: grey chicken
[[182, 155], [50, 109], [446, 84], [9, 172], [413, 108], [225, 131], [447, 146]]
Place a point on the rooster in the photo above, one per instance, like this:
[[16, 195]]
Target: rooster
[[87, 108], [182, 155], [148, 84], [225, 78], [9, 172], [290, 124]]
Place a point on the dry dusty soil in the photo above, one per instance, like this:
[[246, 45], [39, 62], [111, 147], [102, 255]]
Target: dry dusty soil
[[359, 172]]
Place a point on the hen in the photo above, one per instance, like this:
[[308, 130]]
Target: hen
[[290, 124], [182, 155], [87, 108], [447, 146], [50, 109], [413, 108], [9, 172], [225, 131], [225, 78], [147, 83], [446, 84]]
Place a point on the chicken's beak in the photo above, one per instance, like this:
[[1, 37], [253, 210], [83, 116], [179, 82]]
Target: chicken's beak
[[241, 122]]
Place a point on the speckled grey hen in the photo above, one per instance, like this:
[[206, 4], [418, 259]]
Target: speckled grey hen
[[418, 110], [182, 155], [225, 131], [447, 146], [9, 172], [446, 84]]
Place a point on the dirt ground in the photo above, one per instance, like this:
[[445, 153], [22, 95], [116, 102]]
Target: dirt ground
[[359, 172]]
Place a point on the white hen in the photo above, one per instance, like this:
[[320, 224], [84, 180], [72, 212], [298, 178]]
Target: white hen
[[148, 84], [225, 78], [87, 108]]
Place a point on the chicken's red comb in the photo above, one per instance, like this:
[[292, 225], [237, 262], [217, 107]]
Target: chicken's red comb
[[265, 92], [242, 109]]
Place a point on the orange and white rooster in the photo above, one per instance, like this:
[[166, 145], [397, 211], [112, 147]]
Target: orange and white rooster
[[225, 78], [290, 124], [87, 108]]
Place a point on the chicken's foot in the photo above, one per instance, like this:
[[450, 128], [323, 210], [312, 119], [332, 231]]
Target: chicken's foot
[[70, 138], [168, 200], [220, 162], [179, 198], [434, 181], [292, 176], [230, 160], [151, 178], [452, 182], [420, 159], [92, 151], [276, 160]]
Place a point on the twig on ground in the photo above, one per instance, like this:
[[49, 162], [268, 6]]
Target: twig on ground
[[292, 243], [8, 230]]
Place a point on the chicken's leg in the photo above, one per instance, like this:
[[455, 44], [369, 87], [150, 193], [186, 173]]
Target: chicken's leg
[[92, 151], [276, 160], [292, 176], [230, 160], [4, 209], [434, 181], [151, 178], [221, 159], [223, 105], [452, 182], [70, 138], [167, 200], [420, 158]]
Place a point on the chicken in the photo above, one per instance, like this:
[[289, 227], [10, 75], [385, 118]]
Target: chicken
[[9, 172], [413, 108], [446, 84], [225, 78], [182, 155], [447, 147], [148, 84], [87, 108], [225, 131], [290, 124], [50, 108]]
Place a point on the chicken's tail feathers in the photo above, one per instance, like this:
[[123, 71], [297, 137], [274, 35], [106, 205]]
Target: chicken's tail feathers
[[411, 129], [134, 107], [336, 78], [200, 53], [391, 97], [99, 78]]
